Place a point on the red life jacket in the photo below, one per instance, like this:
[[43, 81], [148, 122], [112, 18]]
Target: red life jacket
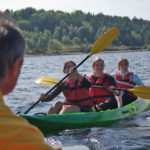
[[76, 94], [127, 80], [99, 95]]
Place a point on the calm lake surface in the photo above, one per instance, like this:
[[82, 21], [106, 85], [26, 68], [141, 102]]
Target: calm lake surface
[[130, 134]]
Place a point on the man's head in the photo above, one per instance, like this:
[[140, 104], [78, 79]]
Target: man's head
[[12, 47]]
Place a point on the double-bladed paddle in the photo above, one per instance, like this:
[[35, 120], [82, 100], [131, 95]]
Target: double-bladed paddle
[[140, 91], [53, 81], [100, 44]]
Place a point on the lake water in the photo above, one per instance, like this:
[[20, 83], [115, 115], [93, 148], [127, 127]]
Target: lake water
[[129, 134]]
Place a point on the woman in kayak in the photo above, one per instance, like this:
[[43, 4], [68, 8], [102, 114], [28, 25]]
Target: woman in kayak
[[102, 90], [76, 91], [127, 80]]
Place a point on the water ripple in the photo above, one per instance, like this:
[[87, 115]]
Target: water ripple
[[128, 134]]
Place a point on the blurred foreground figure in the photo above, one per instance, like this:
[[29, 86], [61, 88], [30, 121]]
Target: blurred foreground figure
[[15, 132]]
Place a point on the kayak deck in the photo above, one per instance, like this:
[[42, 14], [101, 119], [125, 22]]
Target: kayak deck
[[56, 122]]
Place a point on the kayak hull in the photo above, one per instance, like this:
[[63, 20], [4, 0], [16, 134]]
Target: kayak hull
[[52, 123]]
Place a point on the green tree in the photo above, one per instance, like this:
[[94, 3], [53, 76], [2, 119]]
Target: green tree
[[66, 40], [47, 34], [76, 40], [56, 34], [24, 25], [42, 44], [83, 32], [54, 45]]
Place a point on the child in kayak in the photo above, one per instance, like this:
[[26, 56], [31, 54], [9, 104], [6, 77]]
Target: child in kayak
[[15, 132], [126, 80], [76, 91], [102, 90]]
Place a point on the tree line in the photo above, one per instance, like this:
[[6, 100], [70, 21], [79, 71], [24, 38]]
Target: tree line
[[61, 32]]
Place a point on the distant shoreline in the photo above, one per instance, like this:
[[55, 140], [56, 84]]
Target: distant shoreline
[[79, 53], [127, 50]]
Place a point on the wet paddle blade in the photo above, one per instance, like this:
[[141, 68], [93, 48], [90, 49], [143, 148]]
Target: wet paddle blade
[[104, 40], [46, 81], [141, 91]]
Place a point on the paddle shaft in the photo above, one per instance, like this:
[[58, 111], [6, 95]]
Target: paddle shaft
[[57, 85], [125, 83], [94, 104], [32, 106], [120, 89]]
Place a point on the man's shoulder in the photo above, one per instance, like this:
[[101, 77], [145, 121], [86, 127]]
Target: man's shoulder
[[17, 129]]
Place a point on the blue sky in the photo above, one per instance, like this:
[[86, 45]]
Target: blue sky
[[130, 8]]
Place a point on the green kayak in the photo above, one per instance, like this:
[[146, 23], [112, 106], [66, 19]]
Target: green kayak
[[52, 123]]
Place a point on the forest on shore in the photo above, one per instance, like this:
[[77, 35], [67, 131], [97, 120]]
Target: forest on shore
[[58, 32]]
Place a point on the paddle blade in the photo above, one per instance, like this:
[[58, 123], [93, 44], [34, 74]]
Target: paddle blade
[[141, 91], [104, 41], [46, 81]]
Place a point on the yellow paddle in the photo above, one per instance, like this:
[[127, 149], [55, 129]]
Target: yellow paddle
[[98, 46], [140, 91], [46, 81]]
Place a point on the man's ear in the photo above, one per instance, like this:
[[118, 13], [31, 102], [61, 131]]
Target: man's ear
[[12, 76], [15, 69]]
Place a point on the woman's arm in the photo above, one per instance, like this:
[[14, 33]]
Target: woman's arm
[[111, 88], [52, 94], [137, 80], [86, 83], [112, 81], [119, 99], [115, 93]]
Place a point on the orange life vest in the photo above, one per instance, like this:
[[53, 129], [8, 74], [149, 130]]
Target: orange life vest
[[126, 79], [99, 95], [77, 94]]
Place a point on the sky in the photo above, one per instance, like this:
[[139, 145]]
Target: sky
[[129, 8]]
